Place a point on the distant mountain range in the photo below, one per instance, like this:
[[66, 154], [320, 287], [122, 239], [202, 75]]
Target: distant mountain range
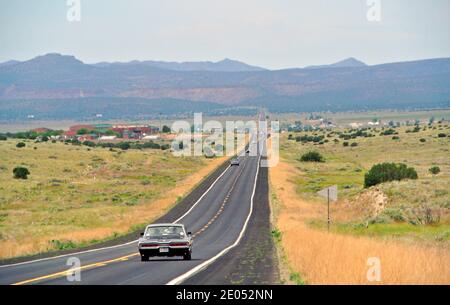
[[346, 63], [46, 82], [226, 65]]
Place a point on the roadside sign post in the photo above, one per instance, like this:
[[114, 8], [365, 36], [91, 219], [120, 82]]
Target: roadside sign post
[[331, 193], [328, 204]]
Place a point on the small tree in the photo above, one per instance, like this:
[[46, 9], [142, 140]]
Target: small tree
[[3, 138], [89, 143], [384, 172], [166, 129], [312, 156], [20, 145], [123, 145], [21, 172], [434, 170], [82, 131]]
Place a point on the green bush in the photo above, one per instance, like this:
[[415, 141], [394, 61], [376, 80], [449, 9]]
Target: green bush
[[20, 145], [345, 144], [388, 132], [354, 144], [442, 135], [123, 145], [434, 170], [3, 138], [89, 143], [312, 156], [166, 129], [21, 172], [384, 172], [422, 140]]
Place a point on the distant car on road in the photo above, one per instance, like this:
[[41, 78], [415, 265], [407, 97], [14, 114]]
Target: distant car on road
[[234, 162], [166, 240]]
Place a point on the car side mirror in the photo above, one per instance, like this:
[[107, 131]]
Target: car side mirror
[[189, 233], [142, 234]]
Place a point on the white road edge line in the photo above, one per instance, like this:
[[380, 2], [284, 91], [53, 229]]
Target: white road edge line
[[121, 245], [203, 195], [205, 264]]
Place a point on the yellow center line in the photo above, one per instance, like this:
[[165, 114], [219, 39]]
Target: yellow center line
[[72, 270]]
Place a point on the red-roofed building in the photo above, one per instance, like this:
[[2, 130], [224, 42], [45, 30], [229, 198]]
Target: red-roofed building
[[134, 131], [75, 128], [41, 130]]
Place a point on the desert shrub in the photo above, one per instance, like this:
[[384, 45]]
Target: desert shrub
[[354, 144], [422, 140], [384, 172], [345, 144], [89, 143], [306, 139], [20, 145], [442, 135], [123, 145], [394, 214], [388, 132], [434, 170], [312, 156], [395, 138], [63, 244], [3, 138], [425, 215], [21, 172]]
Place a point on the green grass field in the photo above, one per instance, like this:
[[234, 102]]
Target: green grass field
[[407, 200], [76, 195]]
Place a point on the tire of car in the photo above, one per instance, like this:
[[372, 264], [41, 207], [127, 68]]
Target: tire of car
[[187, 256]]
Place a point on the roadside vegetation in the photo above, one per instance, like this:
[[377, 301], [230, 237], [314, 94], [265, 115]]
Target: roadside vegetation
[[394, 203], [56, 196]]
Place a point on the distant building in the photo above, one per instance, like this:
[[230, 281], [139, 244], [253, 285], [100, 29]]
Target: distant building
[[41, 130], [355, 125], [107, 138], [134, 131], [150, 137], [73, 130]]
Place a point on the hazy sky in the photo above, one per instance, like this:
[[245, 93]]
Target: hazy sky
[[269, 33]]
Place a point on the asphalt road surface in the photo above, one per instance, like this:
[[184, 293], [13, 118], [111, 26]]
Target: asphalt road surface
[[222, 221]]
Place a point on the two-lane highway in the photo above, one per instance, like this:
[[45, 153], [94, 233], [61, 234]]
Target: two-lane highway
[[217, 220]]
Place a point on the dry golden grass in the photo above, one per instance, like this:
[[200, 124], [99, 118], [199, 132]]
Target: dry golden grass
[[330, 258]]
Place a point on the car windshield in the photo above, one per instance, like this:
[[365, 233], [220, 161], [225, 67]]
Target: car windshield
[[164, 232]]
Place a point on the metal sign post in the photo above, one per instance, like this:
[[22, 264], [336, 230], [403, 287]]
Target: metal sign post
[[331, 193], [328, 203]]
